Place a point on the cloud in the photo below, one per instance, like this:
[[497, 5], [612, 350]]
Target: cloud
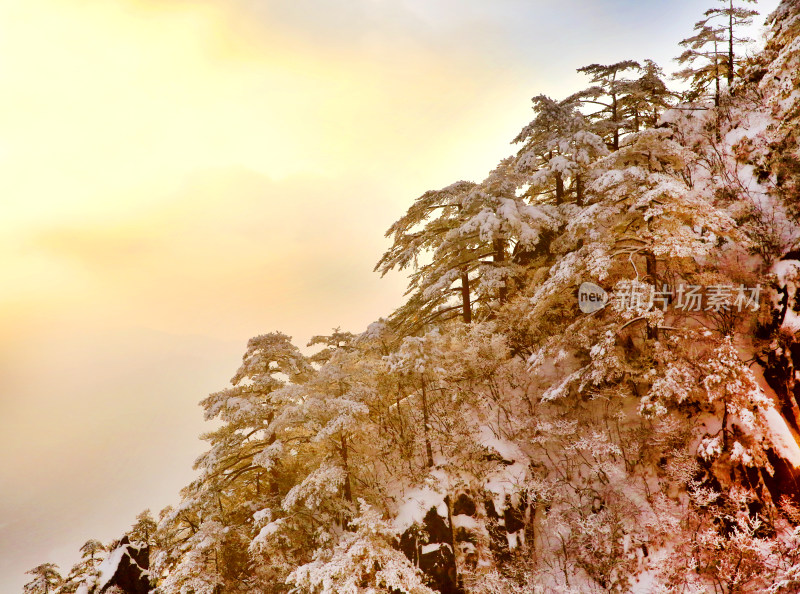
[[179, 89], [104, 248], [233, 252]]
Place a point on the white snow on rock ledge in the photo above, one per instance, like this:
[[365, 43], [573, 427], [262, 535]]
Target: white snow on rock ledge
[[781, 436], [430, 548], [786, 271], [506, 480], [109, 566], [417, 502]]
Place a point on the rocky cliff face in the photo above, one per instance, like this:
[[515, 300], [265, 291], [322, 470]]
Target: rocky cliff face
[[124, 571]]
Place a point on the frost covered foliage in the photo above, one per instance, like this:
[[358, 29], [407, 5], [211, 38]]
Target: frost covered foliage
[[490, 438], [363, 560]]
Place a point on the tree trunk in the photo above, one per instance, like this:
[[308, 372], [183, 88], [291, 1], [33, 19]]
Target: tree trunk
[[466, 307], [652, 276], [400, 415], [499, 246], [716, 93], [448, 503], [348, 493], [273, 483], [730, 45], [579, 190], [559, 188], [725, 424], [426, 425]]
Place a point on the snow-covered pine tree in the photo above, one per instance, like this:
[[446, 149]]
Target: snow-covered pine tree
[[507, 226], [471, 241], [777, 72], [85, 572], [351, 449], [330, 345], [731, 17], [336, 401], [46, 579], [604, 98], [558, 148], [209, 533], [415, 361], [426, 231], [260, 394], [363, 561], [647, 97], [703, 47], [714, 45], [144, 529]]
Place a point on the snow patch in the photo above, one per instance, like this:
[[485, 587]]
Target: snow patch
[[270, 529], [109, 566], [464, 521], [781, 436], [756, 123], [515, 539], [430, 548], [791, 321], [786, 271], [507, 480], [416, 504]]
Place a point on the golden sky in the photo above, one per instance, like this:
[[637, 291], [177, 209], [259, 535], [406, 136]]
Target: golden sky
[[177, 176], [174, 152]]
